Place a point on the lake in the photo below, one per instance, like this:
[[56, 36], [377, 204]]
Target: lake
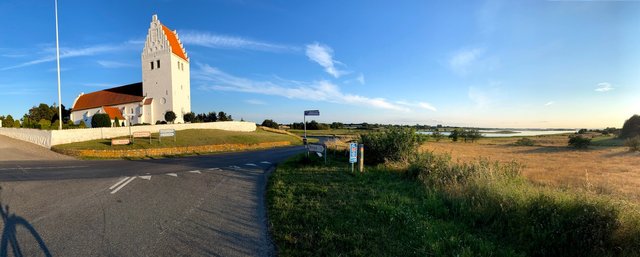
[[511, 133]]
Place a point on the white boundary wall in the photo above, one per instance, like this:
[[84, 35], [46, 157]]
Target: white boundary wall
[[48, 138]]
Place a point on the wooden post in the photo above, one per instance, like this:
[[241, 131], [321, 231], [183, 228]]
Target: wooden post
[[361, 159]]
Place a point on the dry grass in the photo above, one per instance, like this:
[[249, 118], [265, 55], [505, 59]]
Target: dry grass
[[603, 170]]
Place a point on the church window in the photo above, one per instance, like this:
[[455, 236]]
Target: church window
[[166, 92], [180, 87], [158, 64], [164, 100], [152, 65]]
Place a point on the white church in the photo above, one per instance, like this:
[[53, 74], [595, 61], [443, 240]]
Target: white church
[[165, 85]]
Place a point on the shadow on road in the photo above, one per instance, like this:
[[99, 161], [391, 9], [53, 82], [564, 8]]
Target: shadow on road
[[9, 235]]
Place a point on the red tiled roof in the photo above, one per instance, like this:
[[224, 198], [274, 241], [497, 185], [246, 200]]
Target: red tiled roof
[[148, 101], [108, 97], [175, 44], [113, 113]]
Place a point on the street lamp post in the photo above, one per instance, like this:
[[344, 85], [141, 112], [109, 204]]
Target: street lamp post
[[58, 63]]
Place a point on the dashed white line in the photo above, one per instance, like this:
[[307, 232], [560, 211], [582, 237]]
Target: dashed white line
[[145, 177], [265, 162], [123, 185], [172, 174], [119, 182], [251, 164], [195, 171]]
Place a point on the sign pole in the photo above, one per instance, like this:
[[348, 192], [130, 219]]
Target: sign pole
[[58, 63], [361, 159]]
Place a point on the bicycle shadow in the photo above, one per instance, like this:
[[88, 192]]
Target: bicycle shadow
[[9, 235]]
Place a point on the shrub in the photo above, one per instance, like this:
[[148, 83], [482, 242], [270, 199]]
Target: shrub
[[169, 116], [160, 122], [436, 135], [189, 117], [525, 142], [44, 124], [100, 120], [455, 134], [16, 124], [470, 135], [631, 127], [82, 124], [270, 123], [633, 143], [116, 122], [394, 144], [579, 142]]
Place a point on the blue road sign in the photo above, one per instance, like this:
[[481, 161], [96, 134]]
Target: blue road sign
[[312, 113], [353, 152]]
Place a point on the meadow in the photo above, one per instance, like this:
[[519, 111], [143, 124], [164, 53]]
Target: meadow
[[606, 167]]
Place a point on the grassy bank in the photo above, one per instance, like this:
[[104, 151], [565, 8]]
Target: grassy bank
[[190, 137], [435, 207]]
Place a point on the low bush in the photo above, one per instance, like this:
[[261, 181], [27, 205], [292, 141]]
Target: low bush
[[633, 144], [394, 144], [525, 142], [579, 142], [100, 120]]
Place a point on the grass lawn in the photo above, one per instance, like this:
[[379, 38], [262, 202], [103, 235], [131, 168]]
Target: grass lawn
[[317, 210], [190, 137], [328, 132]]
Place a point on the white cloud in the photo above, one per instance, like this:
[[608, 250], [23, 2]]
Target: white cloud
[[114, 64], [461, 61], [422, 105], [360, 79], [549, 103], [479, 97], [254, 102], [604, 87], [72, 52], [215, 79], [223, 41], [323, 55]]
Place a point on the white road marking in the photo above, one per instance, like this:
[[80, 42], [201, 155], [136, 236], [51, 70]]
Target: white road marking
[[251, 164], [265, 162], [195, 171], [234, 167], [119, 182], [172, 174], [123, 185], [214, 169], [145, 177]]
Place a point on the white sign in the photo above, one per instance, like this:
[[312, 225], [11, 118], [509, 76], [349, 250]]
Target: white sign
[[141, 134], [316, 148], [353, 152], [167, 132]]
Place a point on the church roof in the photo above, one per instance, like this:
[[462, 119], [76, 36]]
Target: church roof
[[176, 48], [113, 113], [109, 97]]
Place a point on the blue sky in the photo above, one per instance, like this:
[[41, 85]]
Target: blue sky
[[546, 64]]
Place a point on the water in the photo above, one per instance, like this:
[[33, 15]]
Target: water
[[517, 133]]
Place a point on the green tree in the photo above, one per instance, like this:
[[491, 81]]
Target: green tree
[[116, 122], [42, 111], [631, 127], [55, 124], [336, 125], [8, 121], [436, 135], [82, 124], [222, 116], [170, 116], [44, 123], [189, 117], [579, 142], [100, 120], [16, 123], [455, 134], [270, 123]]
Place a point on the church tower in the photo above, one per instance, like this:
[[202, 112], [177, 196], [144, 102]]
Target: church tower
[[165, 74]]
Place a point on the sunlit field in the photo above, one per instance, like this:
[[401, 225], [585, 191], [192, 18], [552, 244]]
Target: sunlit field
[[604, 168]]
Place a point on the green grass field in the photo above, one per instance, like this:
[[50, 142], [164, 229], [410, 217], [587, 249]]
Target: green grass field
[[190, 137], [439, 208], [328, 132]]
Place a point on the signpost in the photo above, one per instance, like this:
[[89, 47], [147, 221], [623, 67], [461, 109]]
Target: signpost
[[304, 121], [122, 141], [128, 116], [167, 133], [353, 153], [319, 149], [139, 134]]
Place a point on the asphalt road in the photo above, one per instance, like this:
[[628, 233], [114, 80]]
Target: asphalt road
[[193, 206]]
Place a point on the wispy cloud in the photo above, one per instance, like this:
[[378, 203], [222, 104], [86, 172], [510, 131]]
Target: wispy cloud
[[461, 61], [211, 40], [479, 97], [323, 55], [114, 64], [422, 105], [254, 102], [215, 79], [549, 103], [604, 87], [71, 52], [359, 79]]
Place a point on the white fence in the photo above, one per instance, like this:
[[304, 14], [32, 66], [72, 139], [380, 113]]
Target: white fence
[[48, 138]]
